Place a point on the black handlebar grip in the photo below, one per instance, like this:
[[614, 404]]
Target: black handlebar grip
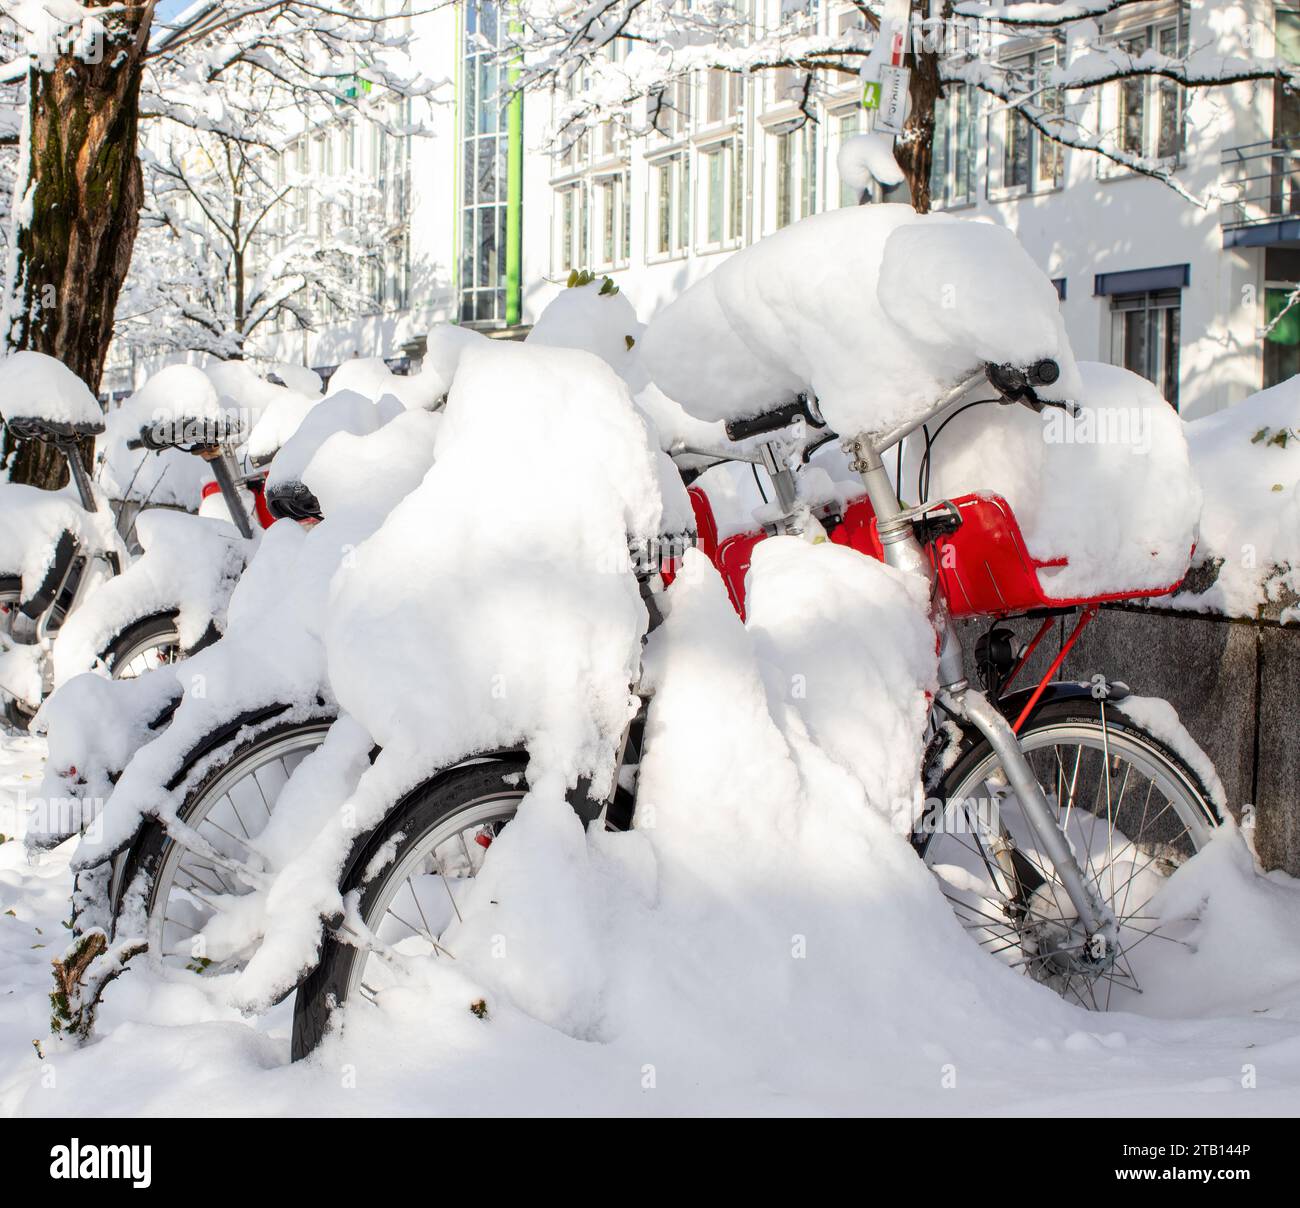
[[1016, 385], [773, 421], [1043, 373]]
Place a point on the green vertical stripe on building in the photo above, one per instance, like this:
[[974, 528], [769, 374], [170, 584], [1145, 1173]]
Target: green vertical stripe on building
[[458, 136], [514, 202]]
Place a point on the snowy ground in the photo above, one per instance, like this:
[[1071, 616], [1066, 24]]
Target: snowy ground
[[165, 1049]]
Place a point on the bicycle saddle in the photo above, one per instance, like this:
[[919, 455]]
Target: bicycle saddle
[[293, 500], [35, 427], [190, 433]]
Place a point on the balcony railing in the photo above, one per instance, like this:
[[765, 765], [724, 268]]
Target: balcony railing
[[1261, 183]]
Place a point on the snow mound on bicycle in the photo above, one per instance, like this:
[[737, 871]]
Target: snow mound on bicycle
[[876, 310], [1107, 500], [36, 386]]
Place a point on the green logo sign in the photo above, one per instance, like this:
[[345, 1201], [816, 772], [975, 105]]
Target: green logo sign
[[871, 95]]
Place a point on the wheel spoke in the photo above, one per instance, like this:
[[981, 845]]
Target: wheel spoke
[[1124, 842]]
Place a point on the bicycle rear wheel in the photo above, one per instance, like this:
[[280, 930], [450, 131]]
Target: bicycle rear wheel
[[435, 842], [149, 643], [17, 629], [1133, 811]]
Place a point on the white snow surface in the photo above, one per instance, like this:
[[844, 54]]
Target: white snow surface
[[189, 565], [342, 411], [874, 309], [503, 562], [31, 522], [863, 158], [371, 377], [36, 386], [277, 424], [444, 345], [1247, 458], [602, 324]]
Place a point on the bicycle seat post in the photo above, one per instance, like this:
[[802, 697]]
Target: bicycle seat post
[[223, 470], [79, 476]]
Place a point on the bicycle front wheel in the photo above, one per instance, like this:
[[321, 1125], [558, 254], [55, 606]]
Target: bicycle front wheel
[[434, 844], [1133, 811], [228, 808]]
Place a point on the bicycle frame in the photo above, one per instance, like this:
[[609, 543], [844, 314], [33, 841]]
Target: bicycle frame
[[903, 551]]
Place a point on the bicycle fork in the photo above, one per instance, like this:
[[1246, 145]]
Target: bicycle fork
[[903, 551]]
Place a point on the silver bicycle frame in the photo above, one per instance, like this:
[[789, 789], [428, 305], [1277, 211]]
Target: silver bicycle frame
[[903, 551]]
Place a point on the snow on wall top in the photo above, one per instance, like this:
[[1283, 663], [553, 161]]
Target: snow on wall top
[[34, 386], [876, 310], [1247, 458]]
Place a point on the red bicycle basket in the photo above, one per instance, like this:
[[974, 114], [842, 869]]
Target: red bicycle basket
[[984, 568]]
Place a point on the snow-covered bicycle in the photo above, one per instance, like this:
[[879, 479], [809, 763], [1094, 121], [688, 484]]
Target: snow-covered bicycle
[[1053, 816], [80, 554]]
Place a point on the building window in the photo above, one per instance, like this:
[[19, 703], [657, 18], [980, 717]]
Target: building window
[[1022, 159], [848, 124], [1144, 337], [722, 180], [1282, 341], [721, 97], [795, 166], [670, 206], [572, 227], [789, 85], [1148, 112], [952, 171], [670, 110], [483, 168], [613, 236]]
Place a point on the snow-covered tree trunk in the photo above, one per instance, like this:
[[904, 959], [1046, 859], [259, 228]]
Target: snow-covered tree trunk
[[77, 210], [914, 150]]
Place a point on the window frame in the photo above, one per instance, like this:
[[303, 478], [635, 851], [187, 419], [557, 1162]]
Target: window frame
[[1150, 28], [680, 203], [1151, 304], [949, 198], [1036, 59], [807, 182], [734, 193], [621, 182]]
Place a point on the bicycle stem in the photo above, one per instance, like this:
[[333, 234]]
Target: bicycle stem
[[903, 551]]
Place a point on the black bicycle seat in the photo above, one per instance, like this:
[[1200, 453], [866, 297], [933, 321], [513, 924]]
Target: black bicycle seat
[[293, 500], [190, 432], [36, 427]]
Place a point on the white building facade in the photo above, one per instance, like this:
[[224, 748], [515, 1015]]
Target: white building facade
[[483, 221]]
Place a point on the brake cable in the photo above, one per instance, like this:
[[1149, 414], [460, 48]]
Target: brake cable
[[923, 471]]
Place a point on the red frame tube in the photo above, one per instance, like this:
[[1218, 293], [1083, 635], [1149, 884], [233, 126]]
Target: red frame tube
[[1085, 616], [1029, 650]]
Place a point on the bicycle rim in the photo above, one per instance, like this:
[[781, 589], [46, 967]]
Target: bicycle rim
[[419, 897], [189, 888], [1132, 818], [149, 653]]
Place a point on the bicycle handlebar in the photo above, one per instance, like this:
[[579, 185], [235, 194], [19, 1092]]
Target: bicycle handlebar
[[1017, 385], [803, 407]]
